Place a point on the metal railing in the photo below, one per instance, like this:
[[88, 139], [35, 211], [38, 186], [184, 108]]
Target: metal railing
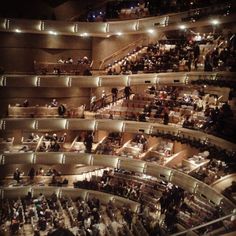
[[206, 224], [121, 52]]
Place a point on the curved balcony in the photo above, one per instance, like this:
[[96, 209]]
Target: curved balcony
[[104, 29], [172, 78], [181, 179], [112, 125]]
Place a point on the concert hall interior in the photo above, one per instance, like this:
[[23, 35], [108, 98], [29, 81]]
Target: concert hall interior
[[118, 118]]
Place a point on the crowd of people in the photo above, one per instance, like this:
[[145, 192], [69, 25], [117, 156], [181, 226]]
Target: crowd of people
[[143, 8], [18, 175], [169, 105], [69, 60], [174, 203], [180, 55]]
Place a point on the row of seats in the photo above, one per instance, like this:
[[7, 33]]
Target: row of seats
[[45, 211]]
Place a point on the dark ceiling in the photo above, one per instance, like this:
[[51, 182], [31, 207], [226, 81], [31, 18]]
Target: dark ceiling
[[47, 9]]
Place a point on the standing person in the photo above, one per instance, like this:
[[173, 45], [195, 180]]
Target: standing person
[[31, 174], [61, 110], [93, 102], [114, 92], [127, 92], [196, 52], [16, 175], [103, 104], [88, 142], [166, 118]]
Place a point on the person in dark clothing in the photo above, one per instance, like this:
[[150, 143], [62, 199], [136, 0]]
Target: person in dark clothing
[[16, 175], [208, 63], [54, 146], [26, 103], [196, 53], [61, 110], [166, 118], [114, 92], [31, 173], [127, 92], [88, 142]]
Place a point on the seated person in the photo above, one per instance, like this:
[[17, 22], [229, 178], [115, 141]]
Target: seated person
[[62, 139], [43, 147], [40, 171], [47, 137], [33, 138], [54, 103], [54, 146], [54, 137], [26, 103], [142, 117]]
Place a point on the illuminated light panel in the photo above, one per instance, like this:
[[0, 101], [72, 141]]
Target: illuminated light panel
[[84, 34], [18, 31], [215, 22], [52, 32], [182, 27], [150, 31], [119, 33]]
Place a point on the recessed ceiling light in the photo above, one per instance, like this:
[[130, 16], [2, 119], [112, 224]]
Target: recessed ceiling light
[[215, 22], [182, 27], [84, 34], [52, 32], [150, 31], [119, 33], [17, 30]]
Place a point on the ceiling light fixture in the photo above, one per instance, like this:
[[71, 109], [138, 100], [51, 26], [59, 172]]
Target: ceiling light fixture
[[52, 32], [215, 22], [150, 31], [182, 27], [17, 30]]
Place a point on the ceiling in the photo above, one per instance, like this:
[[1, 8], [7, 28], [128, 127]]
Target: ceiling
[[48, 9]]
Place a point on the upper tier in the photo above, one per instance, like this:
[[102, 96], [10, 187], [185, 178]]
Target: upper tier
[[106, 29]]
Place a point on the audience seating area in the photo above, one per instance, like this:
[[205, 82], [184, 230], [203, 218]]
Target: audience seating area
[[43, 68], [81, 211], [208, 54]]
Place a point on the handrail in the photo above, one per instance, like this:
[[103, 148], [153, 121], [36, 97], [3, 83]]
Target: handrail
[[114, 54], [108, 99], [204, 225]]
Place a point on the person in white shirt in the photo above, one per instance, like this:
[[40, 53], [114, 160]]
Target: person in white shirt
[[93, 102]]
